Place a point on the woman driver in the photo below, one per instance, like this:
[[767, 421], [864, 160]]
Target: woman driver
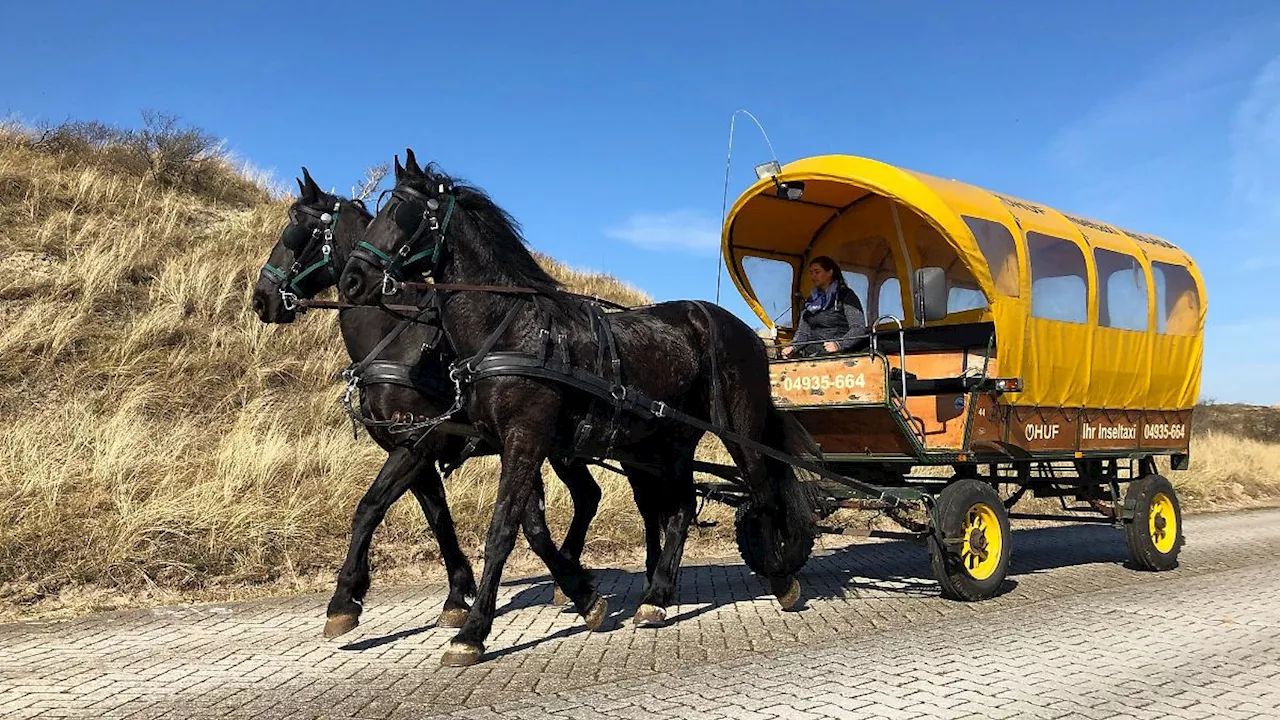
[[833, 314]]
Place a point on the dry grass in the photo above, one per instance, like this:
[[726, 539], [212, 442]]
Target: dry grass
[[158, 443], [156, 440]]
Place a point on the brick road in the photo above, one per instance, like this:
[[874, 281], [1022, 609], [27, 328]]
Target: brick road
[[1078, 635]]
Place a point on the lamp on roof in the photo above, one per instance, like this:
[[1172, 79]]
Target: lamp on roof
[[768, 169]]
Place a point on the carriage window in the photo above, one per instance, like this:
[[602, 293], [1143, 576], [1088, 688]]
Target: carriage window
[[858, 283], [866, 261], [1122, 291], [1001, 253], [965, 298], [1059, 280], [889, 300], [934, 251], [1177, 300], [771, 281]]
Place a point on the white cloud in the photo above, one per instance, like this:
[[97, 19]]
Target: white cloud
[[1131, 154], [687, 231], [1255, 166], [1183, 83]]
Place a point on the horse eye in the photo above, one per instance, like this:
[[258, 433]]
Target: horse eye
[[406, 217]]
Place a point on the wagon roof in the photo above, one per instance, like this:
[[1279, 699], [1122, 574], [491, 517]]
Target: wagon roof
[[763, 225], [756, 222]]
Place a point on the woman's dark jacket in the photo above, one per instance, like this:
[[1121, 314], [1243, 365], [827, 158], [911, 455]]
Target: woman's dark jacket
[[841, 321]]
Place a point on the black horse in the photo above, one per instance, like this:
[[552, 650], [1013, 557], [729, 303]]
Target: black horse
[[406, 379], [689, 357]]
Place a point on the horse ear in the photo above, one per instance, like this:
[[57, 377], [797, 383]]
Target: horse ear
[[302, 189], [411, 162], [399, 169], [312, 190]]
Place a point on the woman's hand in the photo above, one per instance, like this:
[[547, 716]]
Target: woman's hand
[[786, 351], [830, 346]]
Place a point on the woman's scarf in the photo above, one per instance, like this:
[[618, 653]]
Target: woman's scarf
[[819, 300]]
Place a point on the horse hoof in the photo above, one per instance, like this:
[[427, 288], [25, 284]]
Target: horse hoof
[[340, 625], [650, 616], [462, 654], [789, 598], [452, 618], [595, 617], [558, 598]]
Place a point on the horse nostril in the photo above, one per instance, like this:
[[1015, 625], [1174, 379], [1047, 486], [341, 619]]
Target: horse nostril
[[259, 307], [351, 285]]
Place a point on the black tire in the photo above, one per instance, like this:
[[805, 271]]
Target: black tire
[[1154, 533], [967, 568], [768, 555]]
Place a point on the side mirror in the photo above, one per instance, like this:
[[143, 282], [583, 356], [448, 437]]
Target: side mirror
[[930, 294]]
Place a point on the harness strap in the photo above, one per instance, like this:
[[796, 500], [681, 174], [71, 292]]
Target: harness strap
[[511, 363], [633, 401], [385, 372], [492, 340], [322, 262], [499, 289], [358, 368], [271, 271]]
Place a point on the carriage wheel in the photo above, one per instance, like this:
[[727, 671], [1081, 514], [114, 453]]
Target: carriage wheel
[[1154, 535], [971, 542]]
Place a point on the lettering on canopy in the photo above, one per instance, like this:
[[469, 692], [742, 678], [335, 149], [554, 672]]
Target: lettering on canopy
[[1150, 240], [1020, 204], [1090, 224]]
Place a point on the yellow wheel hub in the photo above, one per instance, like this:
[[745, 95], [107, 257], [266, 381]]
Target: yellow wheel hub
[[980, 552], [1162, 523]]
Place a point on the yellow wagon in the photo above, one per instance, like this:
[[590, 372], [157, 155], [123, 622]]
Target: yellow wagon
[[1023, 346]]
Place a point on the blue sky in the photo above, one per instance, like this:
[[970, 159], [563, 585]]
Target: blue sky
[[602, 126]]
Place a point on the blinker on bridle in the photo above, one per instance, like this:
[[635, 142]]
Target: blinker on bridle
[[286, 280], [405, 257]]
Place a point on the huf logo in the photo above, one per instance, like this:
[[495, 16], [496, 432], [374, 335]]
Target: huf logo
[[1041, 432]]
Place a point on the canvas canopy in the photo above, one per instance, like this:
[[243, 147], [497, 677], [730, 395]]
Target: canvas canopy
[[1087, 313]]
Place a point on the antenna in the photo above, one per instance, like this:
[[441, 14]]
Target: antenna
[[724, 200]]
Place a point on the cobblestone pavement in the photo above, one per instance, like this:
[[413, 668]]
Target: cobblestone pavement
[[1077, 635]]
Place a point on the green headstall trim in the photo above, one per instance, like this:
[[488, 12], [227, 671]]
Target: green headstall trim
[[385, 257], [448, 213], [322, 262], [280, 274]]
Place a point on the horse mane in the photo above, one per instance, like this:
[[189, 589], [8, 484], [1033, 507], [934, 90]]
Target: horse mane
[[505, 248]]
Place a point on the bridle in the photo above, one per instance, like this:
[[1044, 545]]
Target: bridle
[[294, 238], [428, 225]]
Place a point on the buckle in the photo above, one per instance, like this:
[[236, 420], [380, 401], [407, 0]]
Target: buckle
[[389, 284]]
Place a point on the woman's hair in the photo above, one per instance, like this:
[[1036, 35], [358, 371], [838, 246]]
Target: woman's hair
[[826, 263]]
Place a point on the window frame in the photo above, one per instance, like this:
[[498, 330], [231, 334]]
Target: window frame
[[970, 221], [1104, 293], [1033, 237]]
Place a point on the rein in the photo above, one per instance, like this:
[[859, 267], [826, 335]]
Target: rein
[[304, 305], [506, 289]]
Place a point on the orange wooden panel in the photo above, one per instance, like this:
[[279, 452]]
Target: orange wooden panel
[[941, 418], [827, 381], [855, 430]]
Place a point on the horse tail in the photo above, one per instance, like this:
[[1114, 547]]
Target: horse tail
[[794, 494], [775, 534]]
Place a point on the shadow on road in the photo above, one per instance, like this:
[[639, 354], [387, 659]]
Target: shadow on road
[[864, 570]]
